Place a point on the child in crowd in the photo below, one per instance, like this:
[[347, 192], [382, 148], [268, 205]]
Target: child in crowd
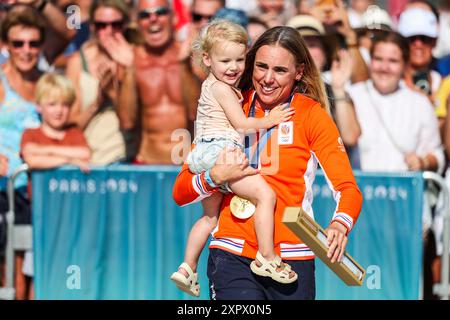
[[54, 143], [221, 49]]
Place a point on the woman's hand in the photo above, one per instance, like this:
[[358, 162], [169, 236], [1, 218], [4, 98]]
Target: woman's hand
[[416, 163], [337, 241], [82, 164], [341, 71], [118, 49], [106, 72], [232, 164]]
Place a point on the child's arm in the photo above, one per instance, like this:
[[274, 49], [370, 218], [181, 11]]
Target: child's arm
[[71, 152], [44, 162], [48, 157], [41, 157], [233, 110]]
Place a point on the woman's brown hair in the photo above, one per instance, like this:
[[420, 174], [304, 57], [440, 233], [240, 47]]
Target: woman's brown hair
[[118, 5], [311, 84], [395, 38]]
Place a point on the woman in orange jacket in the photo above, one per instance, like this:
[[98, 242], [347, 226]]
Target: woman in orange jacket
[[279, 69]]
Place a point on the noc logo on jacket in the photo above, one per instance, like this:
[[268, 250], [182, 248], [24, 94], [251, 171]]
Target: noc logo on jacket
[[286, 133]]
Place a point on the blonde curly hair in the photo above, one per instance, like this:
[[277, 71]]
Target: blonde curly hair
[[213, 33]]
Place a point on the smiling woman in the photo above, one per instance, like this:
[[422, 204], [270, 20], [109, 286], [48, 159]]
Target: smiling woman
[[97, 71], [395, 120], [23, 32], [221, 47], [279, 69]]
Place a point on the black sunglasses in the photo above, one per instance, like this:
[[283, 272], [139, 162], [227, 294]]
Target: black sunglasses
[[5, 7], [117, 24], [159, 11], [196, 17], [423, 39], [20, 43]]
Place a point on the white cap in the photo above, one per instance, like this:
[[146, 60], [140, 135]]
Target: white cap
[[418, 22], [307, 25], [376, 18]]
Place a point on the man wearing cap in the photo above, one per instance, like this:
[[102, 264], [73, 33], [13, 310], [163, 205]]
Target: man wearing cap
[[420, 27]]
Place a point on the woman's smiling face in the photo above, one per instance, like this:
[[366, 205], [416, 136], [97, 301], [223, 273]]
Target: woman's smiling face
[[274, 76]]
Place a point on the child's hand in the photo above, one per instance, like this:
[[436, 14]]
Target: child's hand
[[82, 164], [281, 113]]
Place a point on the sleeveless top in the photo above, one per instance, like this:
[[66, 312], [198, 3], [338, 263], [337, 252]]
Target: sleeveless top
[[212, 122], [16, 115], [103, 130]]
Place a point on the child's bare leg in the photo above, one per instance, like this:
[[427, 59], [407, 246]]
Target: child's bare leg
[[256, 189], [201, 230]]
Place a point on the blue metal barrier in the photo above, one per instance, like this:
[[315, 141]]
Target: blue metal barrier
[[386, 239], [116, 233]]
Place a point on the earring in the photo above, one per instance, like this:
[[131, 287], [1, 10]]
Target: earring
[[301, 86]]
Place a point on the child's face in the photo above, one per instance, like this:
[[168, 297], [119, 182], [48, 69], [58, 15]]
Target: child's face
[[226, 61], [55, 113]]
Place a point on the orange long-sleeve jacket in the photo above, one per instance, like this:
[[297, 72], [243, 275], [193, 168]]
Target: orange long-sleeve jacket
[[288, 162]]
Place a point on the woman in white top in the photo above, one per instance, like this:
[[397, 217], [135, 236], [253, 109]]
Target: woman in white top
[[399, 128]]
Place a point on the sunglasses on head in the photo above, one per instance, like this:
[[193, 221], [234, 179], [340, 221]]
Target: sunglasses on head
[[159, 11], [423, 39], [99, 25], [20, 43], [196, 17]]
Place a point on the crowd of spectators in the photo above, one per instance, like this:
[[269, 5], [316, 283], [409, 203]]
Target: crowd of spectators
[[385, 67]]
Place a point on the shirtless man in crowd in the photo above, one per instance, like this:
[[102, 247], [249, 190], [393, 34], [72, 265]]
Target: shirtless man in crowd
[[167, 90]]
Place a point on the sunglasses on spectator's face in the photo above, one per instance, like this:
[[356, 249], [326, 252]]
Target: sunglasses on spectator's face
[[116, 25], [20, 43], [196, 17], [423, 39], [159, 11], [5, 6]]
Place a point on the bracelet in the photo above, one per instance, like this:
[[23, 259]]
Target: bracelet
[[346, 97], [209, 180]]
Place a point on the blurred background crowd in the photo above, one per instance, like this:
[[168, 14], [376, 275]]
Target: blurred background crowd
[[385, 64]]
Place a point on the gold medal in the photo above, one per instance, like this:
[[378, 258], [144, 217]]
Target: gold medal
[[241, 208]]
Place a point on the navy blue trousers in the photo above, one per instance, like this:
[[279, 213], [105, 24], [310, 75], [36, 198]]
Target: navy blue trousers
[[230, 278]]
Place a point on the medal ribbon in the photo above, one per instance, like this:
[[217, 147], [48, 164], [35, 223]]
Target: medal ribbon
[[261, 141]]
